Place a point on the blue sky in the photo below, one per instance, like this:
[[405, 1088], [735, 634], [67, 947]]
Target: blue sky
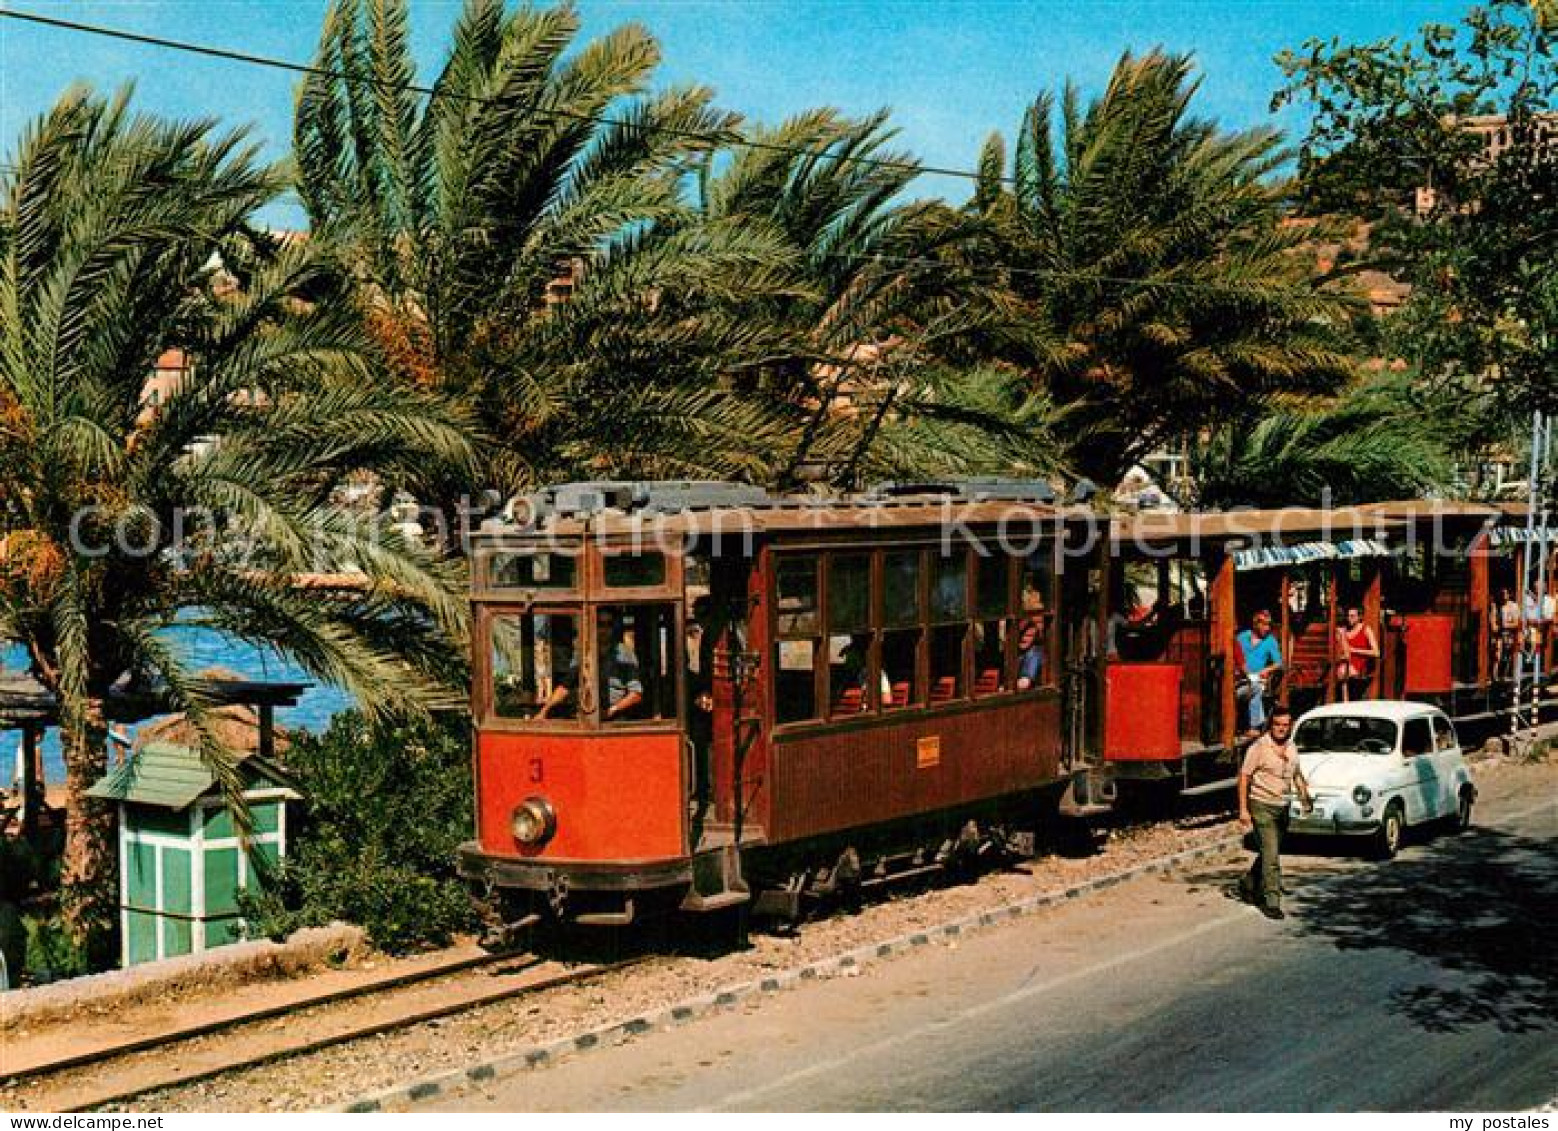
[[951, 70]]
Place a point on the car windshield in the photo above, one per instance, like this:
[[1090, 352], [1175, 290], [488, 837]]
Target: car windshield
[[1346, 734]]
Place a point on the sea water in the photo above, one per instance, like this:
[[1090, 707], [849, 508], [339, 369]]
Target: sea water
[[202, 648]]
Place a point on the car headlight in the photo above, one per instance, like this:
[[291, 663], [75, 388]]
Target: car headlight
[[534, 821], [1361, 794]]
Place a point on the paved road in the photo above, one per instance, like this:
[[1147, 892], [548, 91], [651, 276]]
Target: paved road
[[1425, 984]]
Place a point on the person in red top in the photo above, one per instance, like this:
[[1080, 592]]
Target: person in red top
[[1360, 652]]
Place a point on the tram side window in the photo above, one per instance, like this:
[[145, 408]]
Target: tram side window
[[1031, 665], [636, 655], [799, 643], [949, 631], [534, 665], [850, 663], [990, 638], [1192, 590], [992, 605], [994, 584], [902, 613]]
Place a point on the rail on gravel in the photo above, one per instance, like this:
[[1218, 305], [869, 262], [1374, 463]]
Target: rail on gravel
[[521, 975]]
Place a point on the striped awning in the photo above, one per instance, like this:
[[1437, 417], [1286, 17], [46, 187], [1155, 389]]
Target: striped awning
[[1274, 557], [1518, 535]]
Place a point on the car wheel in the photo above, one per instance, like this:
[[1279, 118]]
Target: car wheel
[[1462, 818], [1392, 828]]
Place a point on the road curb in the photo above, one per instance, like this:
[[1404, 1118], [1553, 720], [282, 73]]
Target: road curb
[[666, 1017]]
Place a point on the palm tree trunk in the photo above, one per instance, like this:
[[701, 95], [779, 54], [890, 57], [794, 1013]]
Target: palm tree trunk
[[87, 871]]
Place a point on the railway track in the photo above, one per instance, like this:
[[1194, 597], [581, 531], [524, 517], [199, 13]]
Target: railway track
[[124, 1072]]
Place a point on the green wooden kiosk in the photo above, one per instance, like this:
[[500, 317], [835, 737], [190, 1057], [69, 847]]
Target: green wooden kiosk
[[181, 861]]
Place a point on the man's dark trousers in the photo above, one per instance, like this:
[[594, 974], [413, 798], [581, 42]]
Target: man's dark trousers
[[1264, 879]]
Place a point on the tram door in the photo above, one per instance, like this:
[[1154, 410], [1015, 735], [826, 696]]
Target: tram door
[[1081, 642]]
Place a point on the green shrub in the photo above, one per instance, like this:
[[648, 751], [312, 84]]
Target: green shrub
[[50, 953], [384, 809]]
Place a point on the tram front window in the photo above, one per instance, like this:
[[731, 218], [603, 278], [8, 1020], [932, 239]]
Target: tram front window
[[534, 664], [636, 654]]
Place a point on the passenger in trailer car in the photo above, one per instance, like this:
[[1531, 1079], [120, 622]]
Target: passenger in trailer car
[[1270, 773], [1359, 652], [1262, 657]]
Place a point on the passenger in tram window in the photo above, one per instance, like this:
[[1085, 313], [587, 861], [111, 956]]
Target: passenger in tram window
[[1030, 654], [1360, 652], [619, 673], [1117, 623], [619, 666], [1261, 656]]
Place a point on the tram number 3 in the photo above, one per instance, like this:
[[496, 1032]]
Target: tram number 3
[[537, 770]]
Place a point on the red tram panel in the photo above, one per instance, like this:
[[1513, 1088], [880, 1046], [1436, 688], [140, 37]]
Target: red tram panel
[[617, 797], [1142, 723], [1430, 649]]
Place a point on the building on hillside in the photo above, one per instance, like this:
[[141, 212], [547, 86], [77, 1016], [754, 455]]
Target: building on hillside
[[1496, 136]]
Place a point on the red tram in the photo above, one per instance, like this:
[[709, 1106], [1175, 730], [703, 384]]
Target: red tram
[[699, 696], [703, 697]]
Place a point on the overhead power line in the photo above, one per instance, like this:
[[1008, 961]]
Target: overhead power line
[[905, 262], [233, 56]]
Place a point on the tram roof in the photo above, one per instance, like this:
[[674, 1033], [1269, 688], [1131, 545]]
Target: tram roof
[[781, 514], [1412, 510], [1269, 525]]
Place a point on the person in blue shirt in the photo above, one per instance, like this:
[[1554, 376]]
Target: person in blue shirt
[[618, 667], [1030, 654], [1262, 657]]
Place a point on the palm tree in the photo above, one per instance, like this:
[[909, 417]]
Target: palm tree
[[1372, 443], [1160, 291], [121, 236], [521, 238], [873, 367]]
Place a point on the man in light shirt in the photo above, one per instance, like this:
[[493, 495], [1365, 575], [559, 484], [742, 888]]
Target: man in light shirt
[[1270, 773]]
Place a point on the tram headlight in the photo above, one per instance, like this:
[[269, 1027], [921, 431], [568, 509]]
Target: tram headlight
[[534, 821]]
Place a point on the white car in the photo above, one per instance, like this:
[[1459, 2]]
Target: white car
[[1377, 767]]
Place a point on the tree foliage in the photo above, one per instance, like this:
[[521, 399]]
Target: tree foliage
[[1480, 249], [876, 371], [1372, 444], [1159, 290], [542, 169], [387, 804], [123, 236]]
